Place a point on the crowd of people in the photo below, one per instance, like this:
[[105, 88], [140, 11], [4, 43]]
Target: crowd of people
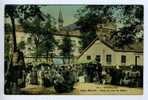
[[115, 75], [64, 77]]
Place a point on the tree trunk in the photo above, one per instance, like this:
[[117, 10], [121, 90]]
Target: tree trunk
[[36, 40], [36, 53], [13, 34], [51, 58]]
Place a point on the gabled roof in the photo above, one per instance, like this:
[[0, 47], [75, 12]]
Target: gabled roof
[[136, 47], [74, 33]]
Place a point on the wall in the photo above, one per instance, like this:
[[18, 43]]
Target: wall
[[130, 58], [29, 48], [98, 48]]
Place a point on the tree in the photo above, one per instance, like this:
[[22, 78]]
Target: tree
[[130, 16], [41, 32], [89, 18], [8, 40], [66, 48], [33, 27], [15, 12], [48, 41], [132, 25], [87, 38], [10, 11], [18, 11]]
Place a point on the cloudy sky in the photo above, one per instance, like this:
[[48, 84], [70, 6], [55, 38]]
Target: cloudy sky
[[68, 12]]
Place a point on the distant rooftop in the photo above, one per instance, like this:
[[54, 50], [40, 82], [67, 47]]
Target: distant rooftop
[[71, 27]]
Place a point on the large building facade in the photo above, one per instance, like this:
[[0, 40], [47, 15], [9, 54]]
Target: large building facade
[[29, 51]]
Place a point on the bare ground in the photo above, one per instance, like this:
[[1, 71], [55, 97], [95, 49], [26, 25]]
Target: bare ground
[[85, 89]]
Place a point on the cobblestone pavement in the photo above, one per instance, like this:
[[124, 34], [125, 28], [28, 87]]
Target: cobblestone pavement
[[86, 89]]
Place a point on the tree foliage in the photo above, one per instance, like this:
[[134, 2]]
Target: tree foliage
[[66, 47], [21, 45], [20, 11], [41, 30], [91, 16], [132, 21]]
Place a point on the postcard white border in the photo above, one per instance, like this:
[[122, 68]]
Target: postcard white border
[[73, 97]]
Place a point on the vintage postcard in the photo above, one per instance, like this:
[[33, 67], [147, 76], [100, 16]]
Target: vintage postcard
[[73, 49]]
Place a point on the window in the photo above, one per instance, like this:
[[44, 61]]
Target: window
[[88, 57], [98, 58], [108, 59], [123, 59]]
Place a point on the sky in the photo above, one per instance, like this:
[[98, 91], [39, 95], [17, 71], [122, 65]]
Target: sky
[[68, 12]]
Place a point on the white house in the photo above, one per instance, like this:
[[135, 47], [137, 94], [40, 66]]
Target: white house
[[108, 55]]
